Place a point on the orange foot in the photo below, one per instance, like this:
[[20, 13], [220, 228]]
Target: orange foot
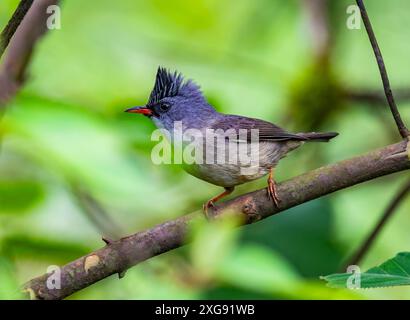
[[211, 203], [272, 189]]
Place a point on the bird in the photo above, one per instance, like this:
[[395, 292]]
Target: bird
[[175, 99]]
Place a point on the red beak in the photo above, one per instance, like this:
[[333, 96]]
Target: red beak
[[141, 110]]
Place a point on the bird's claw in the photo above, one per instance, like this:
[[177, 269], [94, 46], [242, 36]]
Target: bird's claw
[[211, 203], [272, 192], [206, 206]]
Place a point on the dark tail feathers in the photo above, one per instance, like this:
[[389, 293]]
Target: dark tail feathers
[[317, 136]]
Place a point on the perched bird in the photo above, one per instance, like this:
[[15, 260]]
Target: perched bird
[[174, 99]]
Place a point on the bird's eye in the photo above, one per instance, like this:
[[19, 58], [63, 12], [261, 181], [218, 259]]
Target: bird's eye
[[164, 107]]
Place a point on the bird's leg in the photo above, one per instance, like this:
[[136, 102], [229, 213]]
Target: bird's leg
[[272, 188], [211, 203]]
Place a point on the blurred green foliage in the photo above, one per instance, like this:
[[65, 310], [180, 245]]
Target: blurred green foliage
[[18, 196], [252, 58], [315, 97]]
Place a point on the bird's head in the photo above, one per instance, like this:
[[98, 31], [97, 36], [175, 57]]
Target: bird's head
[[174, 99]]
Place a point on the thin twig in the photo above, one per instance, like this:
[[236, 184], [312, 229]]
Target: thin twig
[[376, 97], [95, 212], [20, 49], [404, 132], [13, 24], [120, 255], [368, 242]]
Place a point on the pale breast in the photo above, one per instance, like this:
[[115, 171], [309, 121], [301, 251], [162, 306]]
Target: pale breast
[[237, 163]]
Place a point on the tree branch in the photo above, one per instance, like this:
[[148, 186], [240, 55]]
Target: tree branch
[[13, 24], [366, 245], [120, 255], [404, 132], [20, 48], [375, 96]]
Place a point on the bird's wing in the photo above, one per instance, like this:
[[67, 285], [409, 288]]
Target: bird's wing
[[267, 131]]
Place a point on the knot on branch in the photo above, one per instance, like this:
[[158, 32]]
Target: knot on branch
[[249, 208]]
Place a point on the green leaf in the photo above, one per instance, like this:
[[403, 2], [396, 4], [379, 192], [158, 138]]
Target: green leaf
[[393, 272], [309, 226], [18, 196], [257, 268], [9, 286], [212, 243], [41, 248]]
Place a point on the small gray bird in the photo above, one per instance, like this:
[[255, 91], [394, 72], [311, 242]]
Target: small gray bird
[[175, 100]]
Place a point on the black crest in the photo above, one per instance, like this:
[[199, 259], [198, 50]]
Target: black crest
[[171, 84]]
